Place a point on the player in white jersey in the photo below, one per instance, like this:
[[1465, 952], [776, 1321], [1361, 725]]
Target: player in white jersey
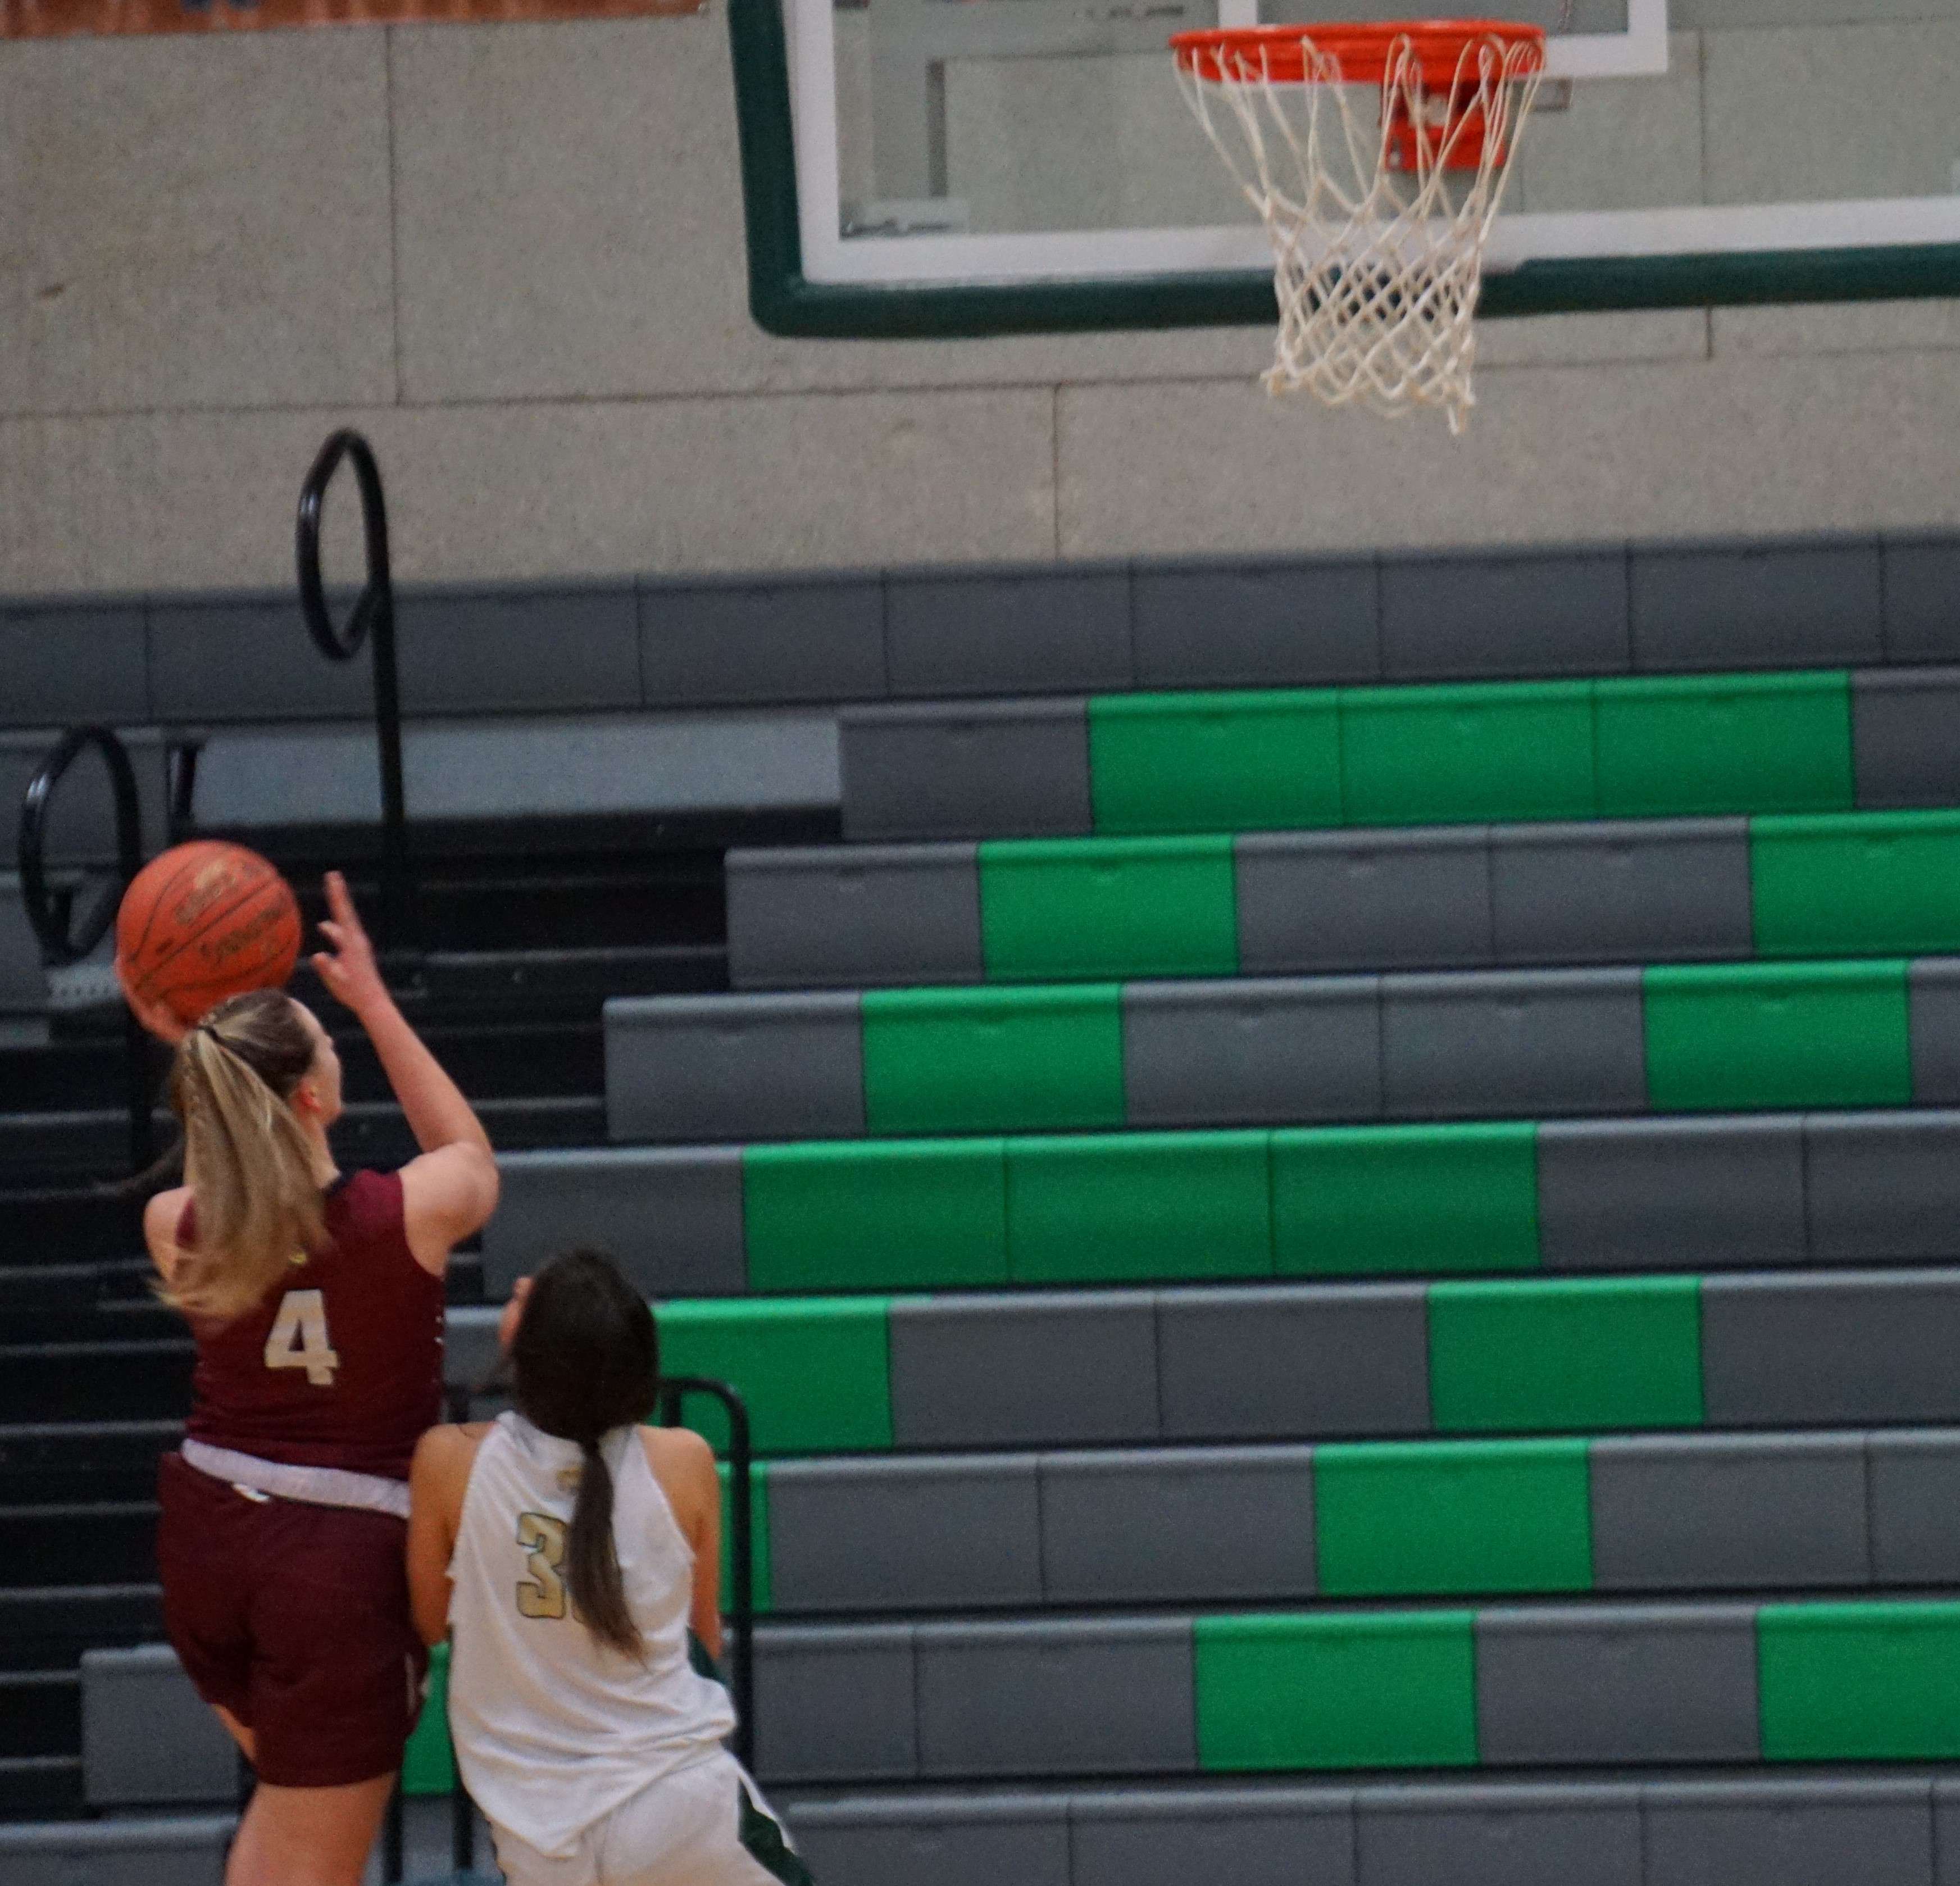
[[569, 1549]]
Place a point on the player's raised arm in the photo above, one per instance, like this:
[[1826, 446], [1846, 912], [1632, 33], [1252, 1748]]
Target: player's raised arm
[[451, 1191]]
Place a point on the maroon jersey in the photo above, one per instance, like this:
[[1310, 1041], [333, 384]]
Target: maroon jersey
[[341, 1365]]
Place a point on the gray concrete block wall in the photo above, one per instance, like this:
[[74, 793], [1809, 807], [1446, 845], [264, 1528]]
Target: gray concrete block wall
[[579, 342]]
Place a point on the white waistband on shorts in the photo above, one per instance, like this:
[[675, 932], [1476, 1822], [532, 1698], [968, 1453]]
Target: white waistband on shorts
[[312, 1486]]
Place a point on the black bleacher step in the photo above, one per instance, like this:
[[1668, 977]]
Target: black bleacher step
[[369, 1134], [457, 848], [94, 1542], [48, 1627], [501, 983], [40, 1711], [70, 1070], [637, 899], [41, 1788], [113, 1299], [69, 1224], [80, 1302], [46, 1289], [532, 1060], [94, 1144], [101, 1382], [104, 1320], [48, 1461], [501, 1056]]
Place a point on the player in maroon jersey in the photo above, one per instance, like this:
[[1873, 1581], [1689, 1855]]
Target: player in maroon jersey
[[316, 1299]]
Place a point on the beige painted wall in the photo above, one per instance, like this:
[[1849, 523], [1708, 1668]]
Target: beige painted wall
[[513, 255]]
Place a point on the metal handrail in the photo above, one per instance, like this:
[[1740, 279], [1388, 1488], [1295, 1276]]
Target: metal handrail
[[741, 1546], [53, 916], [370, 621], [674, 1390]]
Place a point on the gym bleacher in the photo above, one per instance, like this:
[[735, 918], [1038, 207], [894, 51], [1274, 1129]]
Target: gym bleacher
[[1332, 1186]]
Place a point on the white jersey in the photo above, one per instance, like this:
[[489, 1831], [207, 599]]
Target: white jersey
[[553, 1730]]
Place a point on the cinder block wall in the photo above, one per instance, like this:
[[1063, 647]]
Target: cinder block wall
[[513, 255]]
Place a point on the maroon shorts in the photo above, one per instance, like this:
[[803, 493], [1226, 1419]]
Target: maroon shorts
[[295, 1618]]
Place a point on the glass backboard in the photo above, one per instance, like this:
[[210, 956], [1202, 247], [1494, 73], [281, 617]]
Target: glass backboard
[[985, 166]]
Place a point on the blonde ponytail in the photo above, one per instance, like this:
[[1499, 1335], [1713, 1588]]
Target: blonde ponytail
[[249, 1162]]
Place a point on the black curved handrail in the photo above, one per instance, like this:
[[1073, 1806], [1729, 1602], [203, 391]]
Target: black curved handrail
[[53, 916], [372, 621], [741, 1545]]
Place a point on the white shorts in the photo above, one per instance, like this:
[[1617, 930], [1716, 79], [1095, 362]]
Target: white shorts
[[707, 1825]]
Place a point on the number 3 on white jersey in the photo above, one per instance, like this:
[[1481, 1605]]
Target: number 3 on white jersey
[[298, 1338]]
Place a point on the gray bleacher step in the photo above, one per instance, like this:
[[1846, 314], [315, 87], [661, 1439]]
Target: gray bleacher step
[[1020, 769], [147, 1737], [186, 1850], [756, 638], [1584, 1683], [1715, 1191], [1760, 1828], [1461, 1045], [536, 767], [1664, 1514], [1432, 897], [1795, 1350]]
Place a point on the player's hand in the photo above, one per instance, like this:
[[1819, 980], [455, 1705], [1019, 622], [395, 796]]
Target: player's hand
[[514, 1314], [157, 1017], [348, 969]]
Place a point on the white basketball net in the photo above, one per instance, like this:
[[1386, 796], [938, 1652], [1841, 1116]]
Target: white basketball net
[[1375, 266]]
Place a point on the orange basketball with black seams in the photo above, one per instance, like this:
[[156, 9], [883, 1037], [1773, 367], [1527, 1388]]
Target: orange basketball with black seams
[[205, 921]]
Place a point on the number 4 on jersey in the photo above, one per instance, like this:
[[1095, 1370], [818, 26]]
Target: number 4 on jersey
[[298, 1338]]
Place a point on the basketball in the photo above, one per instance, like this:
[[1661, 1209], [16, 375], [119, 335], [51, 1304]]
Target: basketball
[[205, 921]]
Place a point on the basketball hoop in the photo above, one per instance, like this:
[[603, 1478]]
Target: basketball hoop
[[1377, 230]]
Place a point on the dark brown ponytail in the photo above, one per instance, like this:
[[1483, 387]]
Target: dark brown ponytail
[[585, 1360]]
